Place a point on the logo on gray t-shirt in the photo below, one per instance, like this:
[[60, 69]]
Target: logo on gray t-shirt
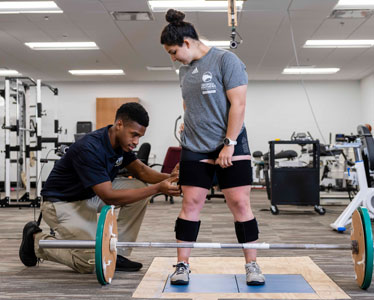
[[208, 87], [207, 77]]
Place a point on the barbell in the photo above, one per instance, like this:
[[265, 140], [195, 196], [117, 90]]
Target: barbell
[[106, 245]]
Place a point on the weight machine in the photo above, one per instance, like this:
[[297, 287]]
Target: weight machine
[[26, 127]]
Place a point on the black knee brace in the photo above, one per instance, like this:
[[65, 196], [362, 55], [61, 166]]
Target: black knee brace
[[186, 230], [246, 231]]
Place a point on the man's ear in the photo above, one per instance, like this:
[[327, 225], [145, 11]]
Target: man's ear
[[187, 42], [118, 123]]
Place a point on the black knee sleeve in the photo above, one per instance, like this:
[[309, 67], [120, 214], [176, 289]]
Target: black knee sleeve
[[246, 231], [186, 230]]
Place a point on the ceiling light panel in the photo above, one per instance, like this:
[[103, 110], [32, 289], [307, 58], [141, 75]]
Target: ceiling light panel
[[63, 46], [355, 4], [6, 72], [197, 5], [309, 71], [96, 72], [159, 68], [339, 44], [29, 7], [218, 44]]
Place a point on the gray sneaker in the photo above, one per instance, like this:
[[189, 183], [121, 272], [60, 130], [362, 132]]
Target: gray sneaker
[[254, 275], [181, 276]]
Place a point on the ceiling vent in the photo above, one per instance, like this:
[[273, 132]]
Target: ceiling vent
[[351, 13], [132, 16]]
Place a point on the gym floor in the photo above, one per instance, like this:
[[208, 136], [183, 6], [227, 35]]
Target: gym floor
[[294, 224]]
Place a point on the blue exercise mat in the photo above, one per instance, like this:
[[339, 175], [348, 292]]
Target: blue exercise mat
[[205, 283], [276, 283], [231, 283]]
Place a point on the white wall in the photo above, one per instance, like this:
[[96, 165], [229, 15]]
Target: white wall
[[275, 110], [367, 92], [77, 102]]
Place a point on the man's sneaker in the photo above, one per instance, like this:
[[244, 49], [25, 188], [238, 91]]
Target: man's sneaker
[[26, 250], [181, 276], [126, 265], [254, 275]]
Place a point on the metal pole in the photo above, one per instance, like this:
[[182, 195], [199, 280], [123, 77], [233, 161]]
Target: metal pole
[[67, 244], [38, 114], [81, 244], [27, 140], [7, 141], [19, 135]]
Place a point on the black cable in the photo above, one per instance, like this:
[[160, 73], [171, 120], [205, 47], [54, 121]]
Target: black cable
[[302, 80]]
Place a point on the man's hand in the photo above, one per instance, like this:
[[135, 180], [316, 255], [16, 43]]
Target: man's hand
[[175, 172], [225, 156], [169, 187]]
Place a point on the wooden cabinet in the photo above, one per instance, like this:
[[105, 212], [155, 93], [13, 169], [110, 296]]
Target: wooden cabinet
[[106, 109]]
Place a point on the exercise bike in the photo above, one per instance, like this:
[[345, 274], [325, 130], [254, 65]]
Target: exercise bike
[[361, 173]]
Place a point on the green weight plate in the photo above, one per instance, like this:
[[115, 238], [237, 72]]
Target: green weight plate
[[98, 245], [368, 246]]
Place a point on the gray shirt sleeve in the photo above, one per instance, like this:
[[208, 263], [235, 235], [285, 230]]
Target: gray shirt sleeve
[[233, 71]]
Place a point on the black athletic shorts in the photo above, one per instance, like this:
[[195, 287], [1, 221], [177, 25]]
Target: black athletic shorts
[[193, 172]]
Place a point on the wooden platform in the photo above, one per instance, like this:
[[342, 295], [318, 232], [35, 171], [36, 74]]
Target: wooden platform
[[293, 225], [154, 280]]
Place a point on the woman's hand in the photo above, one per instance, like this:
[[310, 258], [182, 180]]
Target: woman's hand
[[225, 156], [181, 128]]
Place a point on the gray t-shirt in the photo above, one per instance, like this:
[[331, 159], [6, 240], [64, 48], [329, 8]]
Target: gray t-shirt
[[204, 83]]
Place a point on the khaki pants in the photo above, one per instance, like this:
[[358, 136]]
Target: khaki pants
[[78, 221]]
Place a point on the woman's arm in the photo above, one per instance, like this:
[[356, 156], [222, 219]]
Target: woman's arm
[[237, 99]]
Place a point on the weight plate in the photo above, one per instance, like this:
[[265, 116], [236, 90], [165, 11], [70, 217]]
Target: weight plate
[[109, 257], [368, 247], [98, 245], [364, 255]]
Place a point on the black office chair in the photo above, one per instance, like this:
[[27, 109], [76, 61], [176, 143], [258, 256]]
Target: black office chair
[[83, 128], [172, 158], [213, 188], [143, 152]]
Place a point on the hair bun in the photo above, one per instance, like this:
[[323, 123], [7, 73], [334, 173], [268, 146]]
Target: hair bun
[[174, 17]]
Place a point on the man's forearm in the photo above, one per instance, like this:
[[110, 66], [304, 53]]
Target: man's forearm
[[152, 176], [126, 196], [146, 174]]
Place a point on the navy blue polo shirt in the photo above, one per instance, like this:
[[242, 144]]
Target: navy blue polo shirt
[[89, 161]]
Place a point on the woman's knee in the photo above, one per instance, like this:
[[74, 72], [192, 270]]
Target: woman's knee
[[192, 205], [193, 199], [239, 204]]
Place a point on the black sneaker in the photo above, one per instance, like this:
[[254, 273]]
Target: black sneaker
[[126, 265], [26, 250]]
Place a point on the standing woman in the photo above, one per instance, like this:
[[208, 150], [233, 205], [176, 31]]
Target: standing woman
[[214, 140]]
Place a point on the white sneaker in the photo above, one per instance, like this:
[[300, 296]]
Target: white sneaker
[[181, 275], [254, 275]]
